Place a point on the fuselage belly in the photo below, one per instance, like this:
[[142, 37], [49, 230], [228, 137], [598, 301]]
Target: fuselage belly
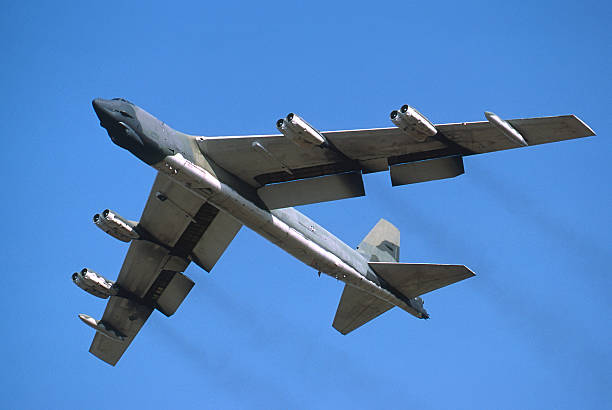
[[277, 231]]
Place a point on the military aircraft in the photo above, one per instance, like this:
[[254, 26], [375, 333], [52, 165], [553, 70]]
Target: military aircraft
[[207, 188]]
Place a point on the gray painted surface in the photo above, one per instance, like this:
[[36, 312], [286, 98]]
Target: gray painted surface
[[173, 295], [207, 188], [235, 154], [426, 170], [415, 279], [356, 308], [382, 243], [312, 190]]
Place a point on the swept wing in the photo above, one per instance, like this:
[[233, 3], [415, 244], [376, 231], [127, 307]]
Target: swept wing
[[177, 227], [271, 162]]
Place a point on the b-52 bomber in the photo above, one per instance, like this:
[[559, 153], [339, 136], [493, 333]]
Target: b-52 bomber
[[207, 188]]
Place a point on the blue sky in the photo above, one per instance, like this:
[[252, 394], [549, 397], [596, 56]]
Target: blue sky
[[531, 330]]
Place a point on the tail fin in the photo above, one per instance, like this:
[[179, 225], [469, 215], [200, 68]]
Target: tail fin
[[382, 243], [357, 307], [407, 280]]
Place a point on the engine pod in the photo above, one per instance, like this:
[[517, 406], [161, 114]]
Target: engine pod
[[413, 123], [94, 283], [116, 226], [299, 131]]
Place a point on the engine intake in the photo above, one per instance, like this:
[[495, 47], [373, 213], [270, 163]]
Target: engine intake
[[116, 226], [94, 283], [299, 131], [413, 123]]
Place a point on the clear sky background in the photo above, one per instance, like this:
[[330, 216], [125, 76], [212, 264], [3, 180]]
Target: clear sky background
[[533, 329]]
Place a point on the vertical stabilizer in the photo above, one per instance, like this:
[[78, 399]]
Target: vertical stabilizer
[[382, 243]]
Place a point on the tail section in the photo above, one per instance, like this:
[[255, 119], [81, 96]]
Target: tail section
[[415, 279], [382, 243], [357, 307], [405, 280]]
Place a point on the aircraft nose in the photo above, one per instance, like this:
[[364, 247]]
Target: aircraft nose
[[100, 107], [98, 104]]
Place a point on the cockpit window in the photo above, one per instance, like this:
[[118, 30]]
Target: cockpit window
[[122, 99], [125, 114]]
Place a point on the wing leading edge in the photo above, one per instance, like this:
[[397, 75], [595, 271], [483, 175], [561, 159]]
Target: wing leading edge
[[273, 163]]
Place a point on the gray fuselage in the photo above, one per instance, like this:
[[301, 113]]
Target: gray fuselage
[[178, 155]]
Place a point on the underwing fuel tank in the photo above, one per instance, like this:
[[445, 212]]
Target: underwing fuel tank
[[101, 327], [506, 129]]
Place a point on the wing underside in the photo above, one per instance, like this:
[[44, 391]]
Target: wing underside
[[177, 227], [278, 167], [127, 317]]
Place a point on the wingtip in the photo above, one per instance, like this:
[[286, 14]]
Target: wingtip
[[469, 273], [591, 133]]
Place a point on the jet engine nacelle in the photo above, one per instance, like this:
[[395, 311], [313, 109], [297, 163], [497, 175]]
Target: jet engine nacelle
[[116, 226], [94, 283], [299, 131], [412, 122]]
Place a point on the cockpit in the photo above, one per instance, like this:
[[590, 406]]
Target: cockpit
[[122, 100]]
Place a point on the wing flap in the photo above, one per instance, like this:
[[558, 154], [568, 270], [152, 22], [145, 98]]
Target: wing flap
[[213, 242], [312, 190], [356, 308], [426, 170], [141, 267], [174, 293]]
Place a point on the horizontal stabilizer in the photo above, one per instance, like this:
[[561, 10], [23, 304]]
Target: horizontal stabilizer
[[356, 308], [415, 279]]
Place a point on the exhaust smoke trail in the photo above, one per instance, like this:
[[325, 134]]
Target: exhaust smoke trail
[[301, 346], [519, 204], [513, 303], [221, 369]]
